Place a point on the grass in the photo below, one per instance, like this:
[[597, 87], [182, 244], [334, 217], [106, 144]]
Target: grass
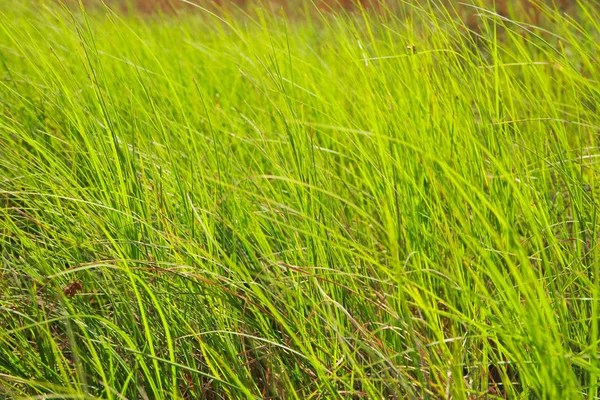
[[244, 205]]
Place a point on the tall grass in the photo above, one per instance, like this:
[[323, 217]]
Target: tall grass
[[383, 205]]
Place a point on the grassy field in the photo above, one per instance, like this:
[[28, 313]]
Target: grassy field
[[248, 205]]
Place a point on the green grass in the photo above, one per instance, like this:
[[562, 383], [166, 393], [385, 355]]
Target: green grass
[[318, 207]]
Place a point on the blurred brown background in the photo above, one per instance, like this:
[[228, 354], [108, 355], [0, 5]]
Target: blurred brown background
[[502, 6], [523, 10]]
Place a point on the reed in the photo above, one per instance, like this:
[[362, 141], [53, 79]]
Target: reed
[[245, 203]]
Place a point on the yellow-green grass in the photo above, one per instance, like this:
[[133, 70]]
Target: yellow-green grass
[[376, 205]]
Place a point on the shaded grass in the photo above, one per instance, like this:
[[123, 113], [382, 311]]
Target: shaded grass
[[335, 207]]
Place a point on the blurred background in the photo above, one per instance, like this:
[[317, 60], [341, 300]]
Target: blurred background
[[465, 11], [504, 7], [529, 11]]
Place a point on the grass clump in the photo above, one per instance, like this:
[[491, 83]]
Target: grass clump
[[375, 205]]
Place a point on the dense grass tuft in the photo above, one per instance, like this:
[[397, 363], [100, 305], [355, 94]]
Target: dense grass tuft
[[368, 205]]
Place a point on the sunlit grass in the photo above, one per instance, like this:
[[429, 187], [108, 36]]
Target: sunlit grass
[[252, 206]]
